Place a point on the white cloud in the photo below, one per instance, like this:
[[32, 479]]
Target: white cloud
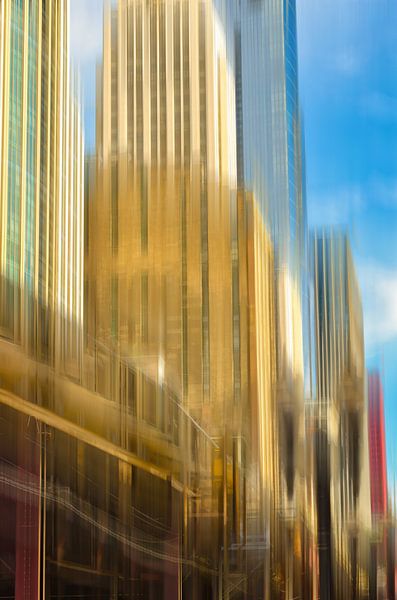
[[342, 205], [86, 18], [336, 207], [379, 293]]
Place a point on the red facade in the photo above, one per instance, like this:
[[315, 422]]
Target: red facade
[[377, 446]]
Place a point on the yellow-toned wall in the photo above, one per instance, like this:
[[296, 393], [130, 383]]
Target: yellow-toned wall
[[42, 219]]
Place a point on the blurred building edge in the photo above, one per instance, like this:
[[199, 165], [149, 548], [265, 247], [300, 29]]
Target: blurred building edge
[[41, 186], [41, 254], [343, 501]]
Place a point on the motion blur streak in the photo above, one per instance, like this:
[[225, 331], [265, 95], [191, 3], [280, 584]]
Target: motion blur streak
[[183, 395]]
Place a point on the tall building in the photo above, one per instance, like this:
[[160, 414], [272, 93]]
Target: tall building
[[41, 184], [180, 275], [168, 91], [270, 161], [41, 263], [377, 446], [215, 83], [340, 437], [383, 546], [270, 136]]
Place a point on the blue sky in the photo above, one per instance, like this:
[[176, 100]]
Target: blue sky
[[86, 35], [348, 87]]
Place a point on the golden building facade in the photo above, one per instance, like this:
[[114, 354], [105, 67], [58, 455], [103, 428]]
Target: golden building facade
[[180, 275], [41, 183], [167, 94], [145, 300], [41, 270]]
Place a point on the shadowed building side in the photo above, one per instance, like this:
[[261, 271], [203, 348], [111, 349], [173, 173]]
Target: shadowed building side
[[340, 412]]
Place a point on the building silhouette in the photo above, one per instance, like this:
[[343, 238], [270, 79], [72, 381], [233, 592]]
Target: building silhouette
[[342, 474]]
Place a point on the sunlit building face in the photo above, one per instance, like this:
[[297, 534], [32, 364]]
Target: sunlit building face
[[166, 207], [168, 88], [180, 265], [41, 183], [270, 133]]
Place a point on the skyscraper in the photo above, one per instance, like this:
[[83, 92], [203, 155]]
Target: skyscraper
[[340, 405], [41, 184], [270, 123], [383, 545], [41, 261], [215, 83], [181, 269], [270, 161], [377, 446], [168, 91]]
